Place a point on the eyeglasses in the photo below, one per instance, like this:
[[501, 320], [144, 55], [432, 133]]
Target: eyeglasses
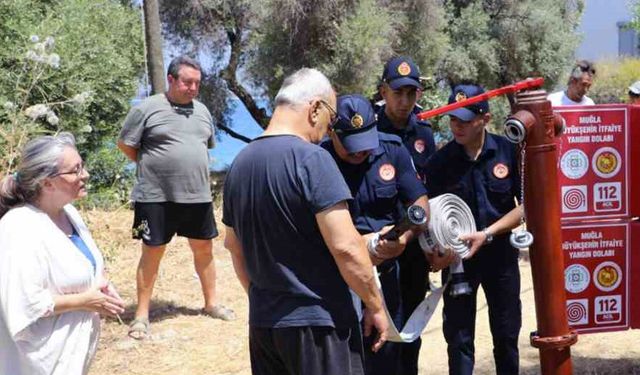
[[77, 171], [333, 112]]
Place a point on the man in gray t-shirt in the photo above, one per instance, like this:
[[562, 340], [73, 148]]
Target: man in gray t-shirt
[[168, 136]]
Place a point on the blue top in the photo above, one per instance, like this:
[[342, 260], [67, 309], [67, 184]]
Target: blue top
[[84, 249], [488, 184], [272, 192], [380, 183], [417, 137]]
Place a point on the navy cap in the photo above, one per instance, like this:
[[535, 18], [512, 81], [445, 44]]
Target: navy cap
[[401, 71], [356, 125], [468, 113]]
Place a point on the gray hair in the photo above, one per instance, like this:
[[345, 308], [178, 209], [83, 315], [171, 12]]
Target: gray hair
[[39, 160], [582, 67], [303, 86], [182, 60]]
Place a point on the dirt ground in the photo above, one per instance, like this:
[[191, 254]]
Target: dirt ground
[[184, 342]]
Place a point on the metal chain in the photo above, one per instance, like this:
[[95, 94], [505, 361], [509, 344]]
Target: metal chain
[[523, 153], [560, 144]]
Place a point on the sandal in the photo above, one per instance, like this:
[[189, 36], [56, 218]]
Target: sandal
[[139, 328], [220, 312]]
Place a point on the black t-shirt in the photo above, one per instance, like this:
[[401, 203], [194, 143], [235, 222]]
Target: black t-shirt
[[272, 192]]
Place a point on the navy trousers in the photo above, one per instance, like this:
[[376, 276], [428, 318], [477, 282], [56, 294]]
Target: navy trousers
[[305, 351], [414, 284], [496, 268], [387, 360]]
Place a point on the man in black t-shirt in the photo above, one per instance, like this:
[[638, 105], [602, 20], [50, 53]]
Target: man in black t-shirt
[[293, 244]]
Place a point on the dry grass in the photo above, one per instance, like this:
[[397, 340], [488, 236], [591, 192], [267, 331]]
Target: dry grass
[[184, 342]]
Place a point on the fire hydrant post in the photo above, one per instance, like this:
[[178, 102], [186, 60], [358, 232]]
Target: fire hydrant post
[[534, 125]]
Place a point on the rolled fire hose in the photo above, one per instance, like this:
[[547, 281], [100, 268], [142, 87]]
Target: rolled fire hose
[[450, 217]]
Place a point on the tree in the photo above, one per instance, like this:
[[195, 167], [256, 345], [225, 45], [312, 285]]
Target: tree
[[257, 43], [497, 42], [69, 65], [613, 79], [153, 38], [221, 28], [635, 21], [100, 49]]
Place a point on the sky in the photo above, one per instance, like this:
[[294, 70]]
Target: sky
[[599, 28], [228, 147]]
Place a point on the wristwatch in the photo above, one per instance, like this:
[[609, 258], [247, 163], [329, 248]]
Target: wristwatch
[[488, 235]]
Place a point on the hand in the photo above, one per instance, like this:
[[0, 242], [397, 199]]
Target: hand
[[441, 258], [110, 290], [388, 249], [475, 240], [376, 319], [104, 304]]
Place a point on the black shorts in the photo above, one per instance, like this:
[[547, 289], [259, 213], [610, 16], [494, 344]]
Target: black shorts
[[157, 223], [305, 351]]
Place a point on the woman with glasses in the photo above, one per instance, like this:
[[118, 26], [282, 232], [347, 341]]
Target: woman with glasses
[[52, 286]]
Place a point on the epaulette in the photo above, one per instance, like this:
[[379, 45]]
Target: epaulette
[[424, 123], [388, 137]]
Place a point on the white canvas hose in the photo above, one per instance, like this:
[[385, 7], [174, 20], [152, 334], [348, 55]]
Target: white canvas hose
[[450, 217]]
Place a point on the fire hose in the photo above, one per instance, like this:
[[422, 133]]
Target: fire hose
[[450, 217]]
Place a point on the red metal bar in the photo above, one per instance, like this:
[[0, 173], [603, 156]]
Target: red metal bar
[[528, 84]]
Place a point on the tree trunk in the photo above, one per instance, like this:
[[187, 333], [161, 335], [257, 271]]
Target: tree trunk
[[153, 38]]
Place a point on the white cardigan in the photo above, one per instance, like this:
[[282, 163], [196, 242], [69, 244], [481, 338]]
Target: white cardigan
[[38, 261]]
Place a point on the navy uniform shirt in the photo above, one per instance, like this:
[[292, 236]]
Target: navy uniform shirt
[[488, 185], [379, 184], [272, 192], [417, 137]]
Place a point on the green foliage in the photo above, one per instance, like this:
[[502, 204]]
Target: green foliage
[[81, 71], [611, 83], [436, 96], [635, 21], [421, 33], [493, 42], [472, 51], [111, 180], [361, 43], [208, 27], [292, 34], [497, 42]]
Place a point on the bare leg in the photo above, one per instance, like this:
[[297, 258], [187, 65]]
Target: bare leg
[[146, 277], [206, 269]]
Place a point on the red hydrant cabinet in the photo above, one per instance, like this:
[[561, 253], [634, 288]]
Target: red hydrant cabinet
[[599, 177]]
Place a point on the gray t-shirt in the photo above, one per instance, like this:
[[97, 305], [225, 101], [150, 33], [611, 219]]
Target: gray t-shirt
[[172, 143]]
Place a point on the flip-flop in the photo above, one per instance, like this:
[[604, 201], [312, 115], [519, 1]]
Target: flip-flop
[[139, 328], [220, 312]]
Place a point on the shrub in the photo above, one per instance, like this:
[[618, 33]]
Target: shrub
[[613, 80]]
